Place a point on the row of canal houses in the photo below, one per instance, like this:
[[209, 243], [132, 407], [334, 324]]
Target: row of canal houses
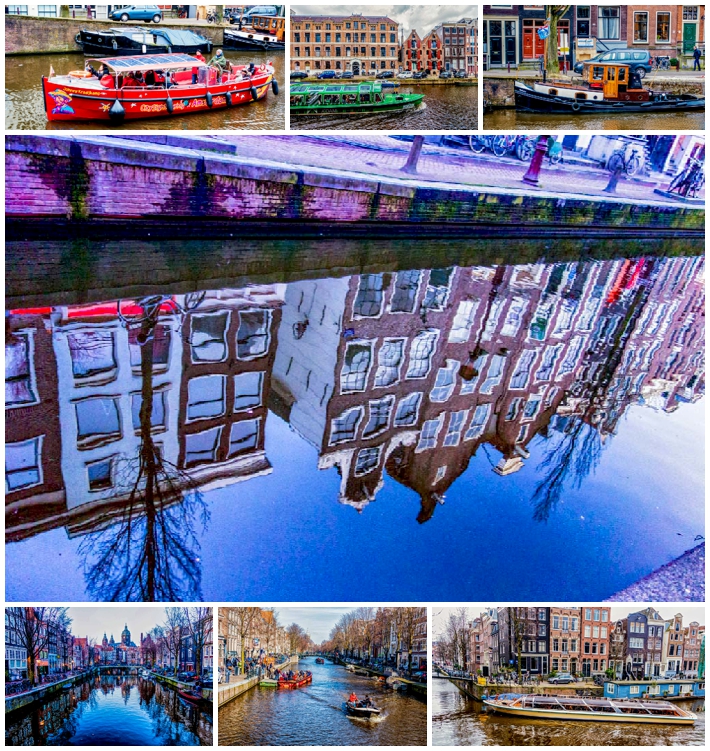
[[585, 641], [408, 372], [447, 47], [509, 33]]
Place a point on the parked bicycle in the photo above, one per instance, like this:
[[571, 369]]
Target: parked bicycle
[[525, 148], [499, 145], [662, 63], [211, 17], [690, 180], [625, 159]]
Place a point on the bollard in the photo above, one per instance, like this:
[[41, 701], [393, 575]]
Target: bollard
[[508, 67], [532, 176], [613, 180]]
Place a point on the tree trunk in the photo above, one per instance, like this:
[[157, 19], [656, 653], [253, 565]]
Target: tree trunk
[[411, 166], [552, 63]]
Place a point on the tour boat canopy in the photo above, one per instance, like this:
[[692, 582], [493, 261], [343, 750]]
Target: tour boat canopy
[[173, 61]]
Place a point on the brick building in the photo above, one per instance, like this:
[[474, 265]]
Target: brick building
[[595, 635], [524, 632], [413, 52], [565, 639], [693, 635]]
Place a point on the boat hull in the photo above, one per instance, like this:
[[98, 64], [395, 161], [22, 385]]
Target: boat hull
[[102, 45], [585, 716], [529, 100], [365, 712], [235, 42], [72, 101], [358, 109]]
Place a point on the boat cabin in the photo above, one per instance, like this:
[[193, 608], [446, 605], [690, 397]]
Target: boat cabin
[[657, 688], [334, 95], [153, 71], [274, 25], [615, 80]]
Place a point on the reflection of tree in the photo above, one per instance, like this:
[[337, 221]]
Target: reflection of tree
[[151, 553]]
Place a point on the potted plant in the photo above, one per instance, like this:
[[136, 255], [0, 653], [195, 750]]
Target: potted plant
[[675, 63]]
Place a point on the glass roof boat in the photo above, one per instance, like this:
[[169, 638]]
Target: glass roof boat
[[318, 98], [146, 86]]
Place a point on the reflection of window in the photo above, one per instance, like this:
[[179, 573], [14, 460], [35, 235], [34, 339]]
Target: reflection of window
[[367, 460], [463, 320], [355, 367], [514, 316], [522, 369], [157, 417], [437, 290], [368, 302], [247, 390], [161, 346], [532, 406], [19, 371], [445, 381], [92, 352], [574, 350], [420, 353], [206, 396], [544, 372], [514, 408], [430, 430], [380, 412], [453, 434], [201, 448], [253, 334], [100, 474], [344, 427], [208, 337], [407, 410], [243, 436], [23, 464], [389, 360], [494, 374], [98, 419], [406, 285], [478, 421]]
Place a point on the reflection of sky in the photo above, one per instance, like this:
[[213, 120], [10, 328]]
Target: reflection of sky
[[284, 537]]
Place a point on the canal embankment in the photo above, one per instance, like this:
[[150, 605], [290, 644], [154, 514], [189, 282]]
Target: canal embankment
[[477, 691], [44, 692], [207, 693], [228, 691], [76, 183]]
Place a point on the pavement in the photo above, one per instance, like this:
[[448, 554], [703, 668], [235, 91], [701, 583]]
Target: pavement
[[375, 155], [681, 580]]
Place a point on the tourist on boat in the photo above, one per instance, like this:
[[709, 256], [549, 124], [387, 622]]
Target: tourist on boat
[[367, 702], [697, 53], [353, 698], [220, 61], [150, 78]]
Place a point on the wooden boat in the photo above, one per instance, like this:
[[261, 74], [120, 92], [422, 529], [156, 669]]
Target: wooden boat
[[590, 710], [118, 97], [348, 98], [190, 696], [137, 40], [305, 678], [356, 710], [261, 33], [605, 88]]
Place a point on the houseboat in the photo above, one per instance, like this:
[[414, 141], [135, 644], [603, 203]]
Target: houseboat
[[136, 41], [334, 99], [544, 707], [259, 33], [133, 88], [656, 688], [605, 87]]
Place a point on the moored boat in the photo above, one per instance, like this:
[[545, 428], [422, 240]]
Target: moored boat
[[261, 32], [589, 709], [351, 98], [358, 709], [145, 86], [191, 696], [605, 88], [136, 40], [269, 682]]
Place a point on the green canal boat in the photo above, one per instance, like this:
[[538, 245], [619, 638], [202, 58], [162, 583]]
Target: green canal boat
[[320, 99]]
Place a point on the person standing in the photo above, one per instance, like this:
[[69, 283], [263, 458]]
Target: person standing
[[697, 54]]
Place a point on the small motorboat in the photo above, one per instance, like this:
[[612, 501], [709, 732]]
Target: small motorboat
[[358, 709], [320, 661], [135, 40], [553, 707], [192, 696], [259, 32], [348, 98]]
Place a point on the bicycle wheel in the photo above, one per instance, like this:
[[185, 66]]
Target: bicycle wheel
[[633, 165], [499, 145], [525, 150], [556, 157], [616, 162], [476, 144]]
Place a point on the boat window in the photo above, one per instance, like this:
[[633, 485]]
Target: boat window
[[598, 72], [365, 97], [378, 97], [611, 74], [580, 95], [622, 74], [553, 92]]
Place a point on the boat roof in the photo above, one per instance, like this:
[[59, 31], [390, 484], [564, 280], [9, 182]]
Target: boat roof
[[173, 61], [336, 88], [605, 64], [652, 704], [174, 36]]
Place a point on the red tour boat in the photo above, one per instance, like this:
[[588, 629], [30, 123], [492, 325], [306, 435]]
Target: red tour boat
[[299, 679], [133, 88]]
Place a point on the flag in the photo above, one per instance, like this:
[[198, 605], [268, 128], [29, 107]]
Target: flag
[[51, 71], [544, 31]]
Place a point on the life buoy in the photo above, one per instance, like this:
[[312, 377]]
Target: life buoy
[[80, 73], [262, 67], [576, 106]]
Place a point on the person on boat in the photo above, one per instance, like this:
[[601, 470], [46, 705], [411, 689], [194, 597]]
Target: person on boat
[[150, 78], [129, 81], [353, 698], [367, 701], [219, 61]]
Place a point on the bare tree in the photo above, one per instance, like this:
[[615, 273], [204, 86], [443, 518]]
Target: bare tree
[[173, 632], [198, 624], [32, 628], [244, 619]]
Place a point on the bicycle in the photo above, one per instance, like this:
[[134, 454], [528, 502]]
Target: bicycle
[[211, 17], [662, 63], [619, 161], [499, 145]]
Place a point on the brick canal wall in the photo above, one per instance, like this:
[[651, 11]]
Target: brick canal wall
[[85, 181], [499, 92], [26, 35], [225, 694]]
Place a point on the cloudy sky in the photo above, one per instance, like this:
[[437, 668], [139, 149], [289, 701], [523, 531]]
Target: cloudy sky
[[423, 18], [318, 622], [93, 622], [441, 615]]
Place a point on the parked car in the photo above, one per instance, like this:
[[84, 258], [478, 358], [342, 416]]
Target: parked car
[[562, 678], [296, 74], [327, 74], [638, 60], [460, 74], [385, 74], [405, 74], [137, 13], [347, 74], [446, 74], [418, 75], [426, 73]]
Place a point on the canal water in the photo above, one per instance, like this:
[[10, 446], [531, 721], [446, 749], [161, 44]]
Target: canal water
[[24, 108], [452, 107], [314, 715], [347, 410], [111, 711], [459, 721], [509, 120]]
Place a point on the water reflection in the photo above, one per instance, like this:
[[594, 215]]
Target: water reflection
[[125, 420], [111, 710]]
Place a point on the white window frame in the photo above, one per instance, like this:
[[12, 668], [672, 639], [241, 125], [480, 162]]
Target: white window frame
[[380, 366], [28, 334], [361, 413], [207, 376], [633, 26], [39, 443], [388, 402], [430, 442], [370, 344]]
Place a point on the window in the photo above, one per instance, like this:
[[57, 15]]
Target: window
[[344, 427], [23, 464], [494, 374], [430, 431], [609, 22], [456, 423], [522, 369], [445, 382], [583, 18], [690, 12], [463, 320], [380, 411], [17, 10], [406, 284], [514, 316], [161, 347], [208, 337], [206, 397], [20, 389], [201, 448], [605, 616], [407, 410], [367, 460], [243, 436], [420, 353], [253, 333], [47, 11], [247, 390], [158, 411], [99, 474], [92, 353], [588, 631], [98, 420], [640, 27], [389, 361], [663, 27], [555, 621], [478, 421], [597, 615], [575, 624], [544, 372], [356, 365], [437, 291]]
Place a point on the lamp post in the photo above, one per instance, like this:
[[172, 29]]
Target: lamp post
[[532, 176]]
